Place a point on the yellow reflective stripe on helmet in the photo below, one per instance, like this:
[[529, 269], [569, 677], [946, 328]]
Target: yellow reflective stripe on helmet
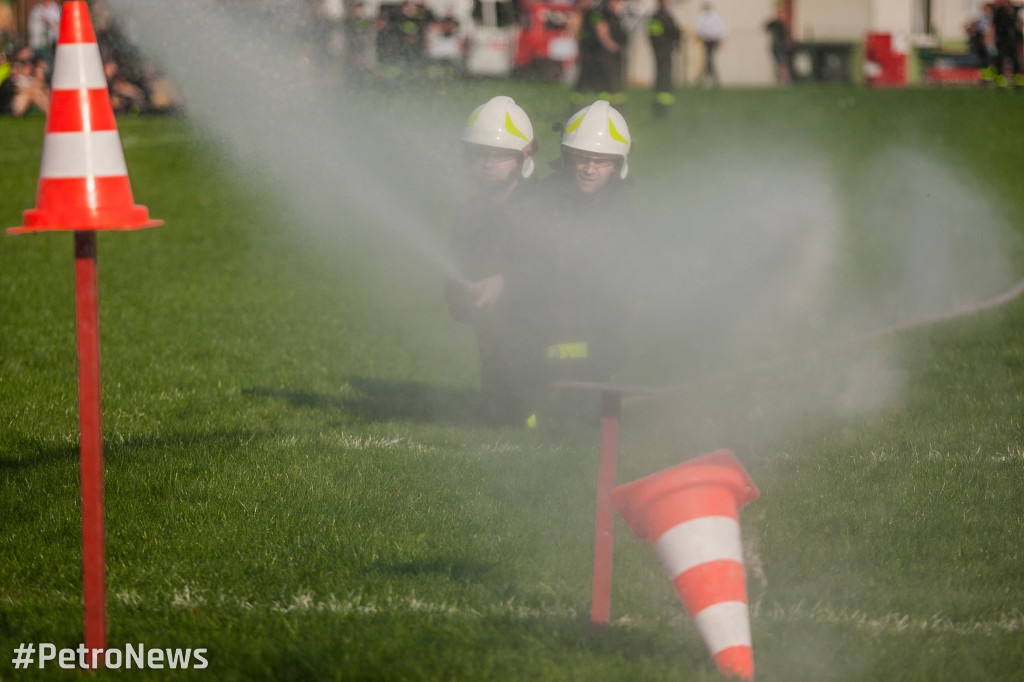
[[616, 135], [565, 351], [575, 123], [511, 127], [472, 117]]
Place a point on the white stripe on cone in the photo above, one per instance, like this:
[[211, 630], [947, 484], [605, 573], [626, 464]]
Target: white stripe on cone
[[698, 541], [82, 155], [78, 66], [723, 625]]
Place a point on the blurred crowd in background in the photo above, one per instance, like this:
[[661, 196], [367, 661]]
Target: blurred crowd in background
[[581, 43], [135, 84]]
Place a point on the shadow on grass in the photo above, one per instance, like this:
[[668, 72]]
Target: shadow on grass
[[457, 570], [376, 400], [27, 453]]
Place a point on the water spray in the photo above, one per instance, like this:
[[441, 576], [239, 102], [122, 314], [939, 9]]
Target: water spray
[[256, 91]]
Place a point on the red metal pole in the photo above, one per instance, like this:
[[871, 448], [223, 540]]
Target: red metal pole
[[601, 598], [94, 582]]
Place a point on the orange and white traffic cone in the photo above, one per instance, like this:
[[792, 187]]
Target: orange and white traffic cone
[[689, 513], [83, 179]]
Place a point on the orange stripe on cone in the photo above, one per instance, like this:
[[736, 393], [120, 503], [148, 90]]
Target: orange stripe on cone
[[83, 181], [690, 514], [73, 111], [710, 583]]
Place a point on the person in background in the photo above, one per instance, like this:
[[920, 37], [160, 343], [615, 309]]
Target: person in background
[[588, 78], [977, 30], [125, 94], [7, 88], [414, 18], [164, 97], [43, 29], [1003, 43], [781, 47], [665, 36], [711, 30], [8, 27], [613, 37], [602, 41], [499, 145], [357, 30], [444, 47], [28, 74], [388, 40]]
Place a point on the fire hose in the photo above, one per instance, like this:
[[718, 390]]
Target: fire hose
[[962, 311]]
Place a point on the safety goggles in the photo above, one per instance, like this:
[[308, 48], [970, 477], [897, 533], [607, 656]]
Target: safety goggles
[[602, 161]]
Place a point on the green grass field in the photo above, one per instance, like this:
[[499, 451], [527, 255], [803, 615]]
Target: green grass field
[[293, 481]]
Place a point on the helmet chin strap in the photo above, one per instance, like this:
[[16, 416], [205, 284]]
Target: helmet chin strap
[[527, 167], [528, 151]]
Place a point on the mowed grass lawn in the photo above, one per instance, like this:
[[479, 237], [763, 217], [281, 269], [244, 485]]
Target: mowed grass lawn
[[294, 481]]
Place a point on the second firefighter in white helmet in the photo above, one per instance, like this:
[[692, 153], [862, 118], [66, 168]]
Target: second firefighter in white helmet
[[572, 279]]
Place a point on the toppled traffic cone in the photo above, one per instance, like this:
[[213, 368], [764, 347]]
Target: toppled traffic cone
[[83, 179], [689, 513]]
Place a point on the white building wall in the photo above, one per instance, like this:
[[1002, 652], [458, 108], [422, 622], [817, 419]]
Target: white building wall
[[824, 20], [892, 16], [831, 20]]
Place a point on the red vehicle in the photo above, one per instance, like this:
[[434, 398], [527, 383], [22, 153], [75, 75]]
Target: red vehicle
[[546, 44]]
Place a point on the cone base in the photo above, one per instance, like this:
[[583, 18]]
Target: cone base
[[122, 219]]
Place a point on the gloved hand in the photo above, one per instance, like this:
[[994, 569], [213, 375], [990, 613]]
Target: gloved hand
[[486, 292]]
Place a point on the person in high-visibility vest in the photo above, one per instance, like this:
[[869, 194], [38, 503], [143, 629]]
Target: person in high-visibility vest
[[574, 290], [665, 35], [7, 88], [1004, 43], [499, 146], [602, 43]]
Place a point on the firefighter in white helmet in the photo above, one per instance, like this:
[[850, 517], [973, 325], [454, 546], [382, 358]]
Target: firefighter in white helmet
[[579, 260], [499, 145]]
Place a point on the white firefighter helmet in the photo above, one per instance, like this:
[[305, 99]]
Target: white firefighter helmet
[[599, 129], [500, 123]]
